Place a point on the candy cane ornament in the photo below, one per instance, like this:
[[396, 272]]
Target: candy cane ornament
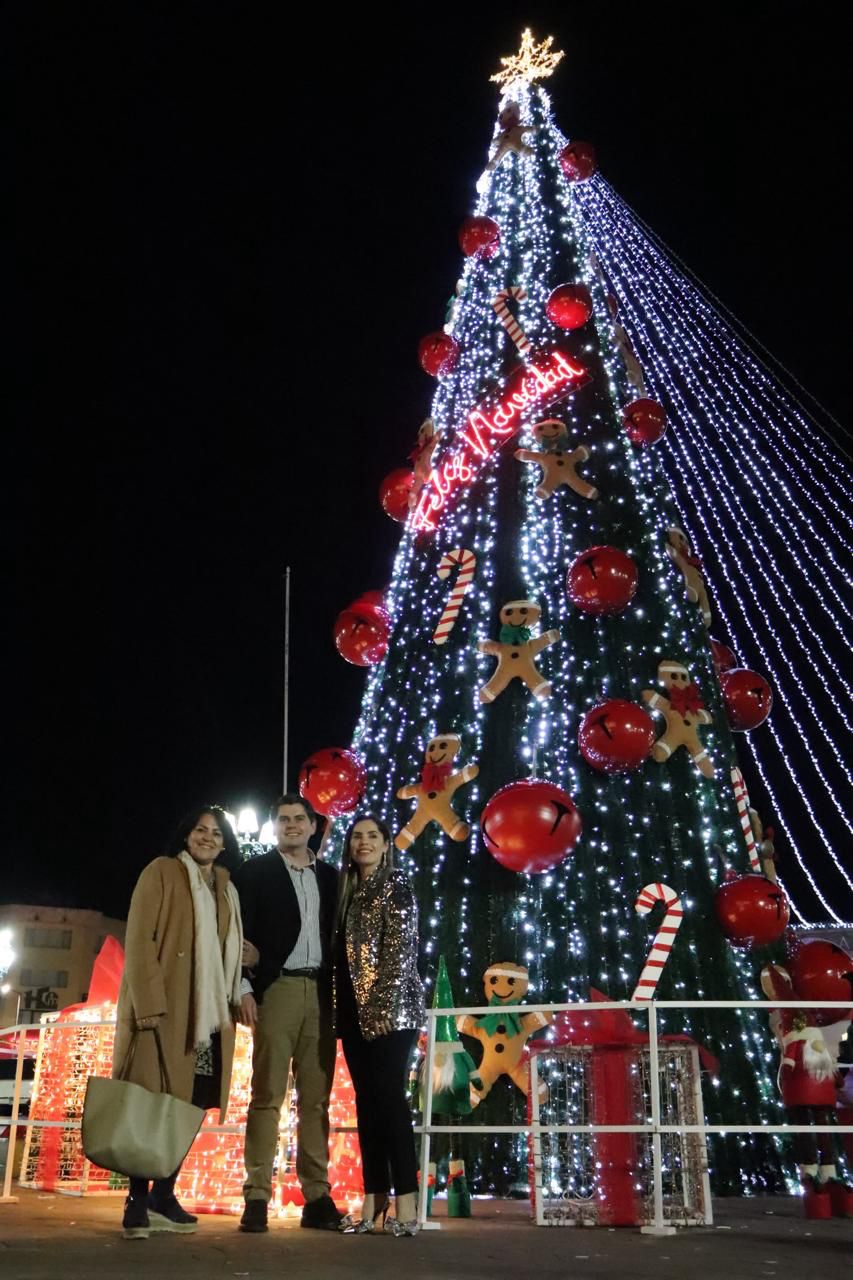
[[466, 562], [508, 320], [742, 802], [664, 938]]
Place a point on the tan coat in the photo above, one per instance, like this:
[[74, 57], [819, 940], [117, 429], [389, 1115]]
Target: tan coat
[[158, 979]]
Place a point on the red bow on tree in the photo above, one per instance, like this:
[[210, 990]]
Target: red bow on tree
[[685, 700], [695, 562], [433, 776]]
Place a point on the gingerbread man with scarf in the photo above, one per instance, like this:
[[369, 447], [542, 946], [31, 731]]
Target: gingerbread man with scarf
[[683, 709], [435, 791]]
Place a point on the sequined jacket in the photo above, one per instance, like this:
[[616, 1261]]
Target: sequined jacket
[[381, 939]]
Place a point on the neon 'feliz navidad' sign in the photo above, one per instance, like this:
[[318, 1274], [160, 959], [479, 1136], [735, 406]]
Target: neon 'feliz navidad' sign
[[537, 386]]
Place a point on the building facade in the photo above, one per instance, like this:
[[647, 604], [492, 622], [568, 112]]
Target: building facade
[[54, 948]]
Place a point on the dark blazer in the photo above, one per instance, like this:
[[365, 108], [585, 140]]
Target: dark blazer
[[270, 911]]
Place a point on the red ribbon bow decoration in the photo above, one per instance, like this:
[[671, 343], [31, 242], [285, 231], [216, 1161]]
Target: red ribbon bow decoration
[[433, 776], [685, 700], [694, 561]]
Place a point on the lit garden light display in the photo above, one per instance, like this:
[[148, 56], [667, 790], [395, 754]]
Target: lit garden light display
[[720, 440]]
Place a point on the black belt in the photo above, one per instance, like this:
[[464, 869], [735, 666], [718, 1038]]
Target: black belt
[[300, 973]]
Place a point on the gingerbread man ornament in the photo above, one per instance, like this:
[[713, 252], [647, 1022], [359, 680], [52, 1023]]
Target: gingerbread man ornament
[[435, 791], [510, 138], [679, 550], [421, 459], [516, 650], [684, 711], [504, 1033], [559, 467]]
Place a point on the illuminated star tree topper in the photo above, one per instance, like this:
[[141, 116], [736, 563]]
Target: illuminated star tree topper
[[532, 62]]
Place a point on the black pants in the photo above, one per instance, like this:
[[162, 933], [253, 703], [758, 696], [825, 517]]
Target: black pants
[[812, 1148], [378, 1069]]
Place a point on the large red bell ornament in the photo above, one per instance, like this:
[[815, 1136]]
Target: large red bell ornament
[[332, 781], [822, 971], [438, 353], [569, 306], [747, 697], [722, 656], [394, 493], [577, 160], [616, 736], [361, 634], [602, 581], [479, 237], [751, 910], [645, 422], [530, 826]]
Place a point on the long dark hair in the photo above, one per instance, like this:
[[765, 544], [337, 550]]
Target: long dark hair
[[349, 873], [229, 858]]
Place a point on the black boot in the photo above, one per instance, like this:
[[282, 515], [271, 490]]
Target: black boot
[[164, 1212], [135, 1223]]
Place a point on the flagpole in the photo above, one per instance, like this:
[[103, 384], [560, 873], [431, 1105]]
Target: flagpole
[[286, 708]]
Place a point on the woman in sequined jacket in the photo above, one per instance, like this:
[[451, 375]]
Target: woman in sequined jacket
[[379, 1006]]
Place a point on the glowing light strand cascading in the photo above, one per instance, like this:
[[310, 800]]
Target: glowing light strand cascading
[[642, 281]]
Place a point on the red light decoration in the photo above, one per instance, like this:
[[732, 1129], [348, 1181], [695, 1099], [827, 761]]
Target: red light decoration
[[538, 386], [751, 910], [722, 656], [616, 736], [644, 421], [479, 238], [530, 826], [577, 160], [438, 353], [569, 306], [332, 781], [747, 697], [394, 494], [602, 581], [361, 634]]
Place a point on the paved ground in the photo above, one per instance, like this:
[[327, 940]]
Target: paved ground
[[48, 1237]]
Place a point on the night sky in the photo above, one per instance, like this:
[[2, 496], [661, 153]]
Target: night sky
[[231, 234]]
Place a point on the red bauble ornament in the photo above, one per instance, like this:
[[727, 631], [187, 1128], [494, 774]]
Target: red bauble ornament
[[577, 161], [645, 422], [602, 580], [530, 826], [361, 634], [394, 494], [751, 910], [373, 599], [479, 238], [722, 656], [332, 781], [569, 306], [438, 353], [616, 736], [747, 697], [822, 971]]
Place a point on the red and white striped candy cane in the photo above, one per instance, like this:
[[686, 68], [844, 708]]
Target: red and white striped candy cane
[[466, 562], [664, 937], [506, 318], [742, 801]]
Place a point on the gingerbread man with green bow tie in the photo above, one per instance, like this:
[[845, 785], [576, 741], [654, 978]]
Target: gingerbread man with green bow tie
[[516, 649]]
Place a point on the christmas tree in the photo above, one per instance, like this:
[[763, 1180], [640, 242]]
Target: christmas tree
[[547, 619]]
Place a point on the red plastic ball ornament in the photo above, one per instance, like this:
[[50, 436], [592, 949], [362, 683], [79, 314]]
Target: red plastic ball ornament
[[530, 826], [361, 634], [751, 910], [645, 422], [394, 494], [747, 698], [823, 971], [722, 656], [479, 238], [332, 781], [577, 160], [569, 306], [601, 581], [438, 353], [616, 736], [373, 600]]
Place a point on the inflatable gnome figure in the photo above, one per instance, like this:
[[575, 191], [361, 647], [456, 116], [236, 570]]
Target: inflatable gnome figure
[[809, 1043]]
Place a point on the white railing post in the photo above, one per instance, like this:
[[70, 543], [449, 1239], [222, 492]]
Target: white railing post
[[426, 1091], [7, 1197], [658, 1227], [536, 1138]]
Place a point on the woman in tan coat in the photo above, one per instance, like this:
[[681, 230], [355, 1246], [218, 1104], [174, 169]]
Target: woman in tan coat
[[183, 956]]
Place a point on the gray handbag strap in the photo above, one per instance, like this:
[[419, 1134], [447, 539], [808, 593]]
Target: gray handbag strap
[[131, 1053]]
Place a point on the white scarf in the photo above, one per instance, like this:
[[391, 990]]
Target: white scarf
[[216, 975]]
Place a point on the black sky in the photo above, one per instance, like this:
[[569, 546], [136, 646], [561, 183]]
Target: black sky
[[232, 231]]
